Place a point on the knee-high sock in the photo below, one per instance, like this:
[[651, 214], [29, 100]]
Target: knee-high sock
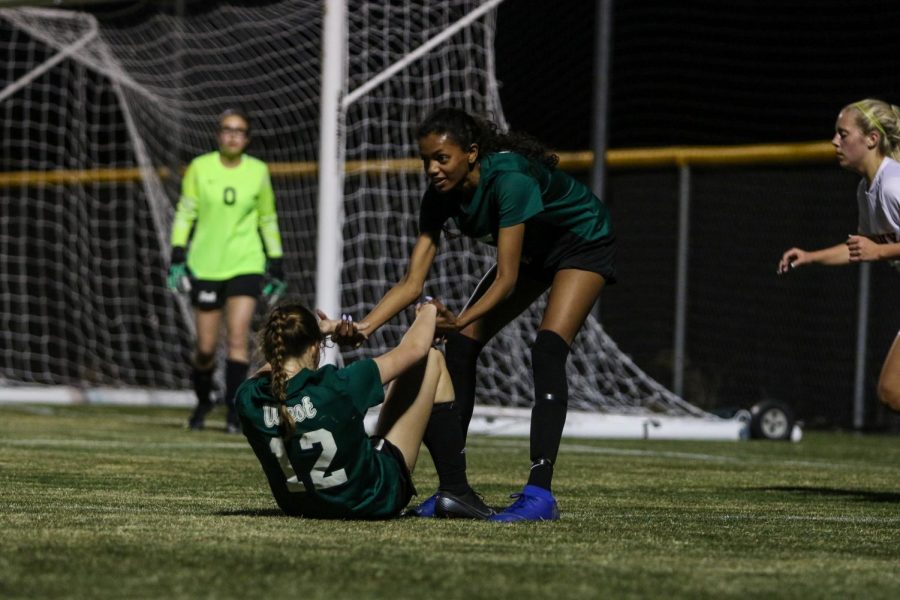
[[551, 398], [446, 443], [462, 358], [235, 374], [202, 380]]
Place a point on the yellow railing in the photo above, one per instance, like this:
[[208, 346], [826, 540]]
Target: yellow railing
[[676, 156], [624, 158]]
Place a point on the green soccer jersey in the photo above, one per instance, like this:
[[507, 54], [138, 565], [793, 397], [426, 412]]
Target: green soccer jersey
[[329, 468], [232, 213], [513, 189]]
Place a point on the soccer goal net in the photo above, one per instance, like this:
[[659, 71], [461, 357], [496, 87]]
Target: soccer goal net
[[101, 112]]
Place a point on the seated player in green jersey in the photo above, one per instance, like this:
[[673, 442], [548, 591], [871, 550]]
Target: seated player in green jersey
[[551, 234], [305, 423], [227, 212]]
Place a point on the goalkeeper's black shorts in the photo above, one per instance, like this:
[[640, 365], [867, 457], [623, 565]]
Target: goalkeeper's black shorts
[[211, 295]]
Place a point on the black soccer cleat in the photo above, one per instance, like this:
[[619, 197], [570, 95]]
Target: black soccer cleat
[[466, 506], [198, 418]]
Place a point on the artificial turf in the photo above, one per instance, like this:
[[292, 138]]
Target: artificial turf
[[113, 502]]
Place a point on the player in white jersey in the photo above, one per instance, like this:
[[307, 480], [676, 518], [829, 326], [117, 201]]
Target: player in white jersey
[[867, 142], [879, 205]]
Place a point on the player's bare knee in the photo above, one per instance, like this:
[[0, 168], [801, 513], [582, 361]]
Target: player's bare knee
[[889, 394], [444, 390], [437, 357], [237, 347]]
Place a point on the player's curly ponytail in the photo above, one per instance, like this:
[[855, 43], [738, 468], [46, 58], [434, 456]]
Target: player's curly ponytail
[[465, 130], [878, 116], [289, 331]]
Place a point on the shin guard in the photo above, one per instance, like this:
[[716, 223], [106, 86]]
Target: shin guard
[[551, 398], [446, 443], [235, 374], [462, 358]]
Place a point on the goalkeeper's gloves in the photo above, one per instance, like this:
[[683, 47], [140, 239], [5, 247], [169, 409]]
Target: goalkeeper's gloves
[[275, 286], [179, 277]]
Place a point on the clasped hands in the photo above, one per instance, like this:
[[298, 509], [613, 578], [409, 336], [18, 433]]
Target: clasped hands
[[347, 332]]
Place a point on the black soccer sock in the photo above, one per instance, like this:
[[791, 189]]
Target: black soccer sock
[[444, 439], [551, 398], [202, 380], [235, 374], [461, 354]]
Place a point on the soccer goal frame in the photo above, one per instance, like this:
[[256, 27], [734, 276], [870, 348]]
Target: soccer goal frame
[[611, 396], [498, 420], [335, 101]]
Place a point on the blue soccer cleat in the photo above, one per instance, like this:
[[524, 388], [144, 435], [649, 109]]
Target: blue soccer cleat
[[532, 504], [425, 509]]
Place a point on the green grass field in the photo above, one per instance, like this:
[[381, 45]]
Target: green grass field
[[103, 502]]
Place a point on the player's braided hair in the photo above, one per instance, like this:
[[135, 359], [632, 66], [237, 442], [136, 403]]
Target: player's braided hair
[[289, 331], [879, 116], [465, 129]]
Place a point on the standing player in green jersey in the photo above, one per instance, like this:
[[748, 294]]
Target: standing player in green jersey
[[305, 423], [228, 203], [551, 233]]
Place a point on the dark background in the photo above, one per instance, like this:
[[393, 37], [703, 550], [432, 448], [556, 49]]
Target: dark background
[[682, 73], [708, 73], [696, 71]]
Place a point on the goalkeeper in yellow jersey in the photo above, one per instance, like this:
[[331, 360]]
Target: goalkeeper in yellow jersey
[[225, 242]]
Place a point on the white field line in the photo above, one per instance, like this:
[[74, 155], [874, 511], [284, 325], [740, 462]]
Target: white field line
[[814, 518], [863, 520], [586, 449], [475, 442], [487, 443], [238, 444]]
